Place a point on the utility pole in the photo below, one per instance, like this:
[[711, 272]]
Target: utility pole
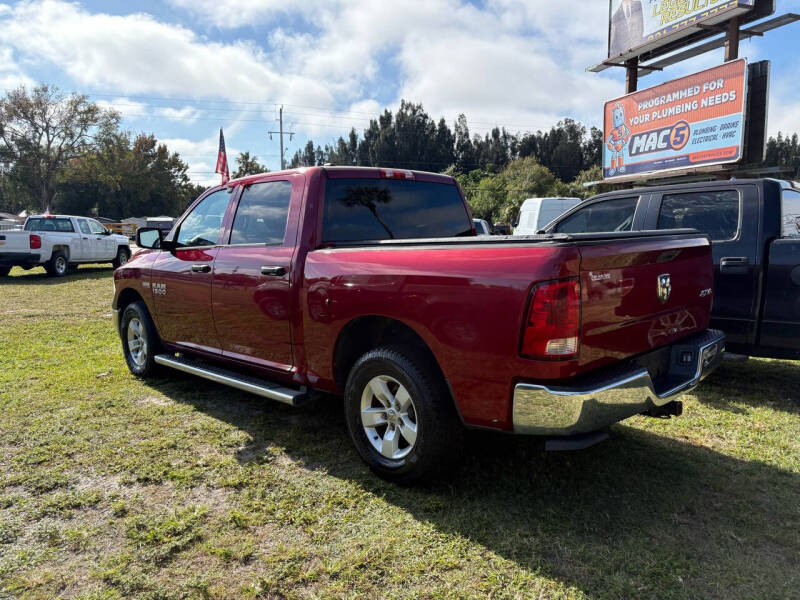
[[280, 133]]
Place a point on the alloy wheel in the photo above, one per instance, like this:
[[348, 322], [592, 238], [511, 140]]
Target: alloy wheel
[[389, 417], [137, 342]]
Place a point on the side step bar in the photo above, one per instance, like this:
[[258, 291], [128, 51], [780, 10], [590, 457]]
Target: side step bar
[[259, 387]]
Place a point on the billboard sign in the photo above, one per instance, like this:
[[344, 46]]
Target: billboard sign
[[636, 26], [692, 121]]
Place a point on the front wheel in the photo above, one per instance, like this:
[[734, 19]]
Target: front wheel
[[123, 255], [140, 341], [400, 415]]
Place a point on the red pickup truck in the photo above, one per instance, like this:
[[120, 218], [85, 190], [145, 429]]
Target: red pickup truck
[[372, 284]]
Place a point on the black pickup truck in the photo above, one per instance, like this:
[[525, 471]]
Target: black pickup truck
[[754, 226]]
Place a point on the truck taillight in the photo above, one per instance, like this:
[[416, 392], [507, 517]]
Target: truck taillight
[[394, 174], [552, 325], [36, 242]]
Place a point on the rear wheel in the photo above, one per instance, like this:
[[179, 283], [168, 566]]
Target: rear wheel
[[123, 255], [57, 266], [140, 341], [400, 415], [4, 271]]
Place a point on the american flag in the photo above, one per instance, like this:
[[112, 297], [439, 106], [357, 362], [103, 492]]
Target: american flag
[[222, 160]]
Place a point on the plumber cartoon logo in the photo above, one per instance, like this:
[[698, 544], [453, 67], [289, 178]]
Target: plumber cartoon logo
[[618, 140]]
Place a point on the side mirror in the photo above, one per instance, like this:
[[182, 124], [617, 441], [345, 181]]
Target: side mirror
[[149, 237], [107, 232]]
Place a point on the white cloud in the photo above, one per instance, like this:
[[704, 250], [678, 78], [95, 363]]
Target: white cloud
[[125, 106], [11, 75], [238, 13], [186, 113], [516, 63], [135, 53]]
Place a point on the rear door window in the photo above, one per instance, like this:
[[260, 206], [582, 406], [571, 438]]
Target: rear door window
[[262, 213], [715, 213], [377, 209], [790, 222], [601, 217]]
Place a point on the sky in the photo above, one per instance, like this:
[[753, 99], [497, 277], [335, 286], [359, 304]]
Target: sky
[[181, 69]]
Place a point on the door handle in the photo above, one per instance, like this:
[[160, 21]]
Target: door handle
[[274, 271], [201, 268], [734, 265]]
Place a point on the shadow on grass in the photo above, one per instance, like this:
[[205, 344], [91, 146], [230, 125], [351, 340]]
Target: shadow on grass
[[639, 516], [38, 276], [773, 384]]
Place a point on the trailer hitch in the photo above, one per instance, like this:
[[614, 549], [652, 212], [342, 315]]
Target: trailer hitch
[[673, 408]]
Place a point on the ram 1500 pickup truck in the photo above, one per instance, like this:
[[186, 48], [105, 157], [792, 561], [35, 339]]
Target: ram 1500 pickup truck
[[754, 226], [59, 242], [372, 284]]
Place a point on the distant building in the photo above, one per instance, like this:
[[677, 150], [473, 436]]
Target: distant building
[[9, 221], [162, 222]]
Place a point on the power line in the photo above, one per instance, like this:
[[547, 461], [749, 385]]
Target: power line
[[339, 114]]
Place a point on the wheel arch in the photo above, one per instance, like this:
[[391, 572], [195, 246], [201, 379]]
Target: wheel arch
[[368, 332], [128, 296]]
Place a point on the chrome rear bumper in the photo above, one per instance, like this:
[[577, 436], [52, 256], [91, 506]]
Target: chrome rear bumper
[[616, 394]]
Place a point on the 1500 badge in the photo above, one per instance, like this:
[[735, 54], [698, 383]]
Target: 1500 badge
[[160, 289]]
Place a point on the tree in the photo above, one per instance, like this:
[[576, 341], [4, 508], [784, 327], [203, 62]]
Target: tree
[[577, 189], [41, 131], [126, 177], [784, 152], [410, 139], [464, 150], [488, 199], [525, 178], [248, 165]]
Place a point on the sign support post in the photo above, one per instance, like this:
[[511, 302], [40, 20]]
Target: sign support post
[[631, 74], [732, 40]]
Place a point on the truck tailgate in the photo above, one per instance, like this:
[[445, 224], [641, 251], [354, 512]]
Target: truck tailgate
[[14, 242], [642, 291]]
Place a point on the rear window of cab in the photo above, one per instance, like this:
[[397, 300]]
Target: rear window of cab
[[370, 209], [49, 224]]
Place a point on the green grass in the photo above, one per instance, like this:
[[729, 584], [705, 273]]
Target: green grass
[[111, 487]]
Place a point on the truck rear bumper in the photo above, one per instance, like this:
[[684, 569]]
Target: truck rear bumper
[[18, 259], [618, 393]]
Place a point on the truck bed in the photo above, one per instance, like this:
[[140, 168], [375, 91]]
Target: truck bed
[[467, 299]]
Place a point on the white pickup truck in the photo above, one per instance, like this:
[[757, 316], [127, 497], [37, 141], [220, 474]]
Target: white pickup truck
[[59, 242]]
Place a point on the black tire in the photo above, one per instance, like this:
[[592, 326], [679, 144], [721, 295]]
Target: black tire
[[141, 366], [123, 255], [57, 266], [438, 430], [4, 271]]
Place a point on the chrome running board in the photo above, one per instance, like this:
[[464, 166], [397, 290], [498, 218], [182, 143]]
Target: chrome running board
[[259, 387]]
